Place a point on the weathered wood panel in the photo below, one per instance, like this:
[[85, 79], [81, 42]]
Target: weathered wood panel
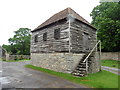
[[82, 37], [51, 45]]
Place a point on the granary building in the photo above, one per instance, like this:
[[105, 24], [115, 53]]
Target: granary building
[[63, 42]]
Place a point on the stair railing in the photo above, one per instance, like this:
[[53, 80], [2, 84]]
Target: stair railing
[[86, 59]]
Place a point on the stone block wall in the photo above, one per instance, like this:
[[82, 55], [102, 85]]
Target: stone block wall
[[17, 57], [60, 62], [110, 55], [96, 63]]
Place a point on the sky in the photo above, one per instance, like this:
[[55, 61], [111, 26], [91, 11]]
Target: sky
[[15, 14]]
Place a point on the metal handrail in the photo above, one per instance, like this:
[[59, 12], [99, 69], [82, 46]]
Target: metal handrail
[[93, 50]]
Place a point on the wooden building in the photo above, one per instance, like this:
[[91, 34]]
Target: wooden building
[[64, 32], [3, 53]]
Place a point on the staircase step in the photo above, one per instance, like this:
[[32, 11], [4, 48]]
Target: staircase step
[[82, 69], [81, 66], [82, 72], [78, 74], [82, 63]]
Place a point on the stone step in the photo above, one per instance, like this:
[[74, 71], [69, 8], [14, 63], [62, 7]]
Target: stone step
[[83, 72], [83, 63], [80, 66], [79, 74], [81, 69]]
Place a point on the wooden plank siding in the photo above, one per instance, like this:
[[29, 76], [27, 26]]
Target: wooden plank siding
[[77, 30], [51, 45]]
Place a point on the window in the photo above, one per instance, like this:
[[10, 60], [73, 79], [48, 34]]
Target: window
[[86, 41], [36, 38], [57, 33], [45, 37]]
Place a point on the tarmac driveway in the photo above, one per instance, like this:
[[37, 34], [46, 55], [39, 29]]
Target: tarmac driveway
[[15, 75]]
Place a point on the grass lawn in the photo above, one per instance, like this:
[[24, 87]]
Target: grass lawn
[[17, 60], [102, 79], [111, 63]]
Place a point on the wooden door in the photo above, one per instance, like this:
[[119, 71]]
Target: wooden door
[[86, 42]]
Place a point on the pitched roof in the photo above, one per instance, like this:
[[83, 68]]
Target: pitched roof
[[61, 15]]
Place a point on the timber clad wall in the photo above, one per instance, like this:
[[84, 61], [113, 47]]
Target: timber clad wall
[[51, 45], [78, 30], [77, 42]]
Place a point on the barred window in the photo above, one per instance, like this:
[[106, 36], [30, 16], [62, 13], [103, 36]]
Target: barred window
[[36, 38], [57, 33], [45, 36]]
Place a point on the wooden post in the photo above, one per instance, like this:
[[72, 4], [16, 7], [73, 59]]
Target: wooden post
[[100, 55], [96, 42], [87, 66], [69, 35], [100, 50]]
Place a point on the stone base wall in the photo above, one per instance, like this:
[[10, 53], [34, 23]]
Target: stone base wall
[[95, 65], [110, 55], [17, 57], [60, 62]]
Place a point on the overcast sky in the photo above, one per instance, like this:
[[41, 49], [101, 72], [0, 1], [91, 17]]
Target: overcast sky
[[15, 14]]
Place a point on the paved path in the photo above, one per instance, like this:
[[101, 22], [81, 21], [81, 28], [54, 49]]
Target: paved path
[[15, 75], [113, 70]]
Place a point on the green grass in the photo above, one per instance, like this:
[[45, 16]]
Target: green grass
[[17, 60], [111, 63], [103, 79]]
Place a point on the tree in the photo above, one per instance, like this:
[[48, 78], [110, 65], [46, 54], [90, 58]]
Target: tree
[[20, 43], [106, 18]]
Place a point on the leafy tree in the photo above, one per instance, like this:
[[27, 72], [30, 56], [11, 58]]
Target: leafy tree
[[7, 47], [106, 18], [20, 43]]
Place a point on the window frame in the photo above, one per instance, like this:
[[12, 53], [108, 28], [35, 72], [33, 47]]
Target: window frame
[[57, 34], [45, 36], [36, 38]]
